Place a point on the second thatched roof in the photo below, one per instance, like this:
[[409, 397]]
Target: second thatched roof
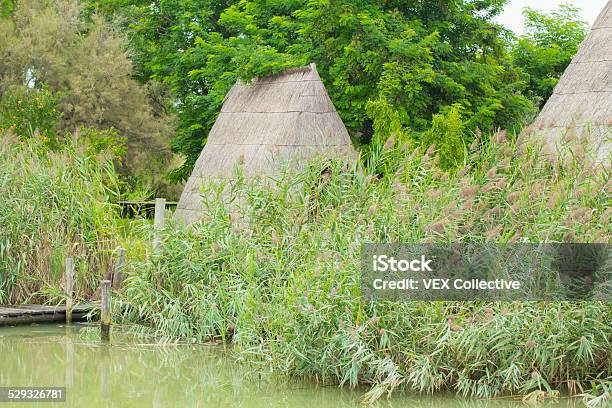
[[582, 100], [274, 121]]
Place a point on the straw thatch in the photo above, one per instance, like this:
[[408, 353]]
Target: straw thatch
[[582, 100], [273, 122]]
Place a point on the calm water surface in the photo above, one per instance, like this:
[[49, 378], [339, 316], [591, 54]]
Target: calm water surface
[[131, 372]]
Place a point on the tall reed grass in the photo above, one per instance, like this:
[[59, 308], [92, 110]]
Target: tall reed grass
[[53, 204], [274, 267]]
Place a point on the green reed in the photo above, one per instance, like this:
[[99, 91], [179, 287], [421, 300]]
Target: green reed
[[274, 268], [53, 204]]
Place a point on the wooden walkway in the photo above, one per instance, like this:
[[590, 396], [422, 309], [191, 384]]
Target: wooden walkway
[[24, 314], [146, 209]]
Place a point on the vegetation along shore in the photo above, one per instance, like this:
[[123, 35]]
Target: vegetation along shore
[[409, 124]]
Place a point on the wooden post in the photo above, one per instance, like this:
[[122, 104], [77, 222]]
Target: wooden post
[[69, 288], [105, 318], [160, 209], [119, 265]]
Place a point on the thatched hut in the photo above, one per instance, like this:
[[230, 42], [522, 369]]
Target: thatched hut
[[582, 100], [272, 122]]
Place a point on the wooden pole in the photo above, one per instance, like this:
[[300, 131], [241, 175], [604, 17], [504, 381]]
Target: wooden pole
[[160, 208], [105, 318], [69, 288], [119, 265]]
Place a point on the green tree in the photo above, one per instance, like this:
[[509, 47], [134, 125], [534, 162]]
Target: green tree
[[408, 62], [547, 47], [82, 64]]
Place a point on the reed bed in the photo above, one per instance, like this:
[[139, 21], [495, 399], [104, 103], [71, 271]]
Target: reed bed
[[273, 267], [53, 204]]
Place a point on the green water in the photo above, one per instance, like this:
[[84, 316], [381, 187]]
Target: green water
[[134, 373]]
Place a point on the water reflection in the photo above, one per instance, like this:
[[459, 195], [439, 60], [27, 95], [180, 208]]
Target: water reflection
[[132, 373]]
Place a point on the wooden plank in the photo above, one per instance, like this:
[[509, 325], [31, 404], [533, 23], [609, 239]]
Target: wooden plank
[[151, 203], [38, 308], [15, 312], [20, 314], [130, 209], [42, 318], [51, 308]]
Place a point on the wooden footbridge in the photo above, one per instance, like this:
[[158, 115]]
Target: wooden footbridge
[[23, 314], [69, 312]]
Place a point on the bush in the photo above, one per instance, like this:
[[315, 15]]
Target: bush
[[30, 112], [447, 134], [277, 272], [103, 141]]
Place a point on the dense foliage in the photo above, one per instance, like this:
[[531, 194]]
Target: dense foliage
[[276, 271], [30, 112], [389, 67], [278, 274], [547, 47], [61, 71]]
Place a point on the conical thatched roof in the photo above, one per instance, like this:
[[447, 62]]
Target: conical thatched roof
[[274, 121], [583, 96]]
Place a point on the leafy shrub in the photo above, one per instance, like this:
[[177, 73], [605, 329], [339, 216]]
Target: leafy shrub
[[103, 141], [30, 112], [447, 135]]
